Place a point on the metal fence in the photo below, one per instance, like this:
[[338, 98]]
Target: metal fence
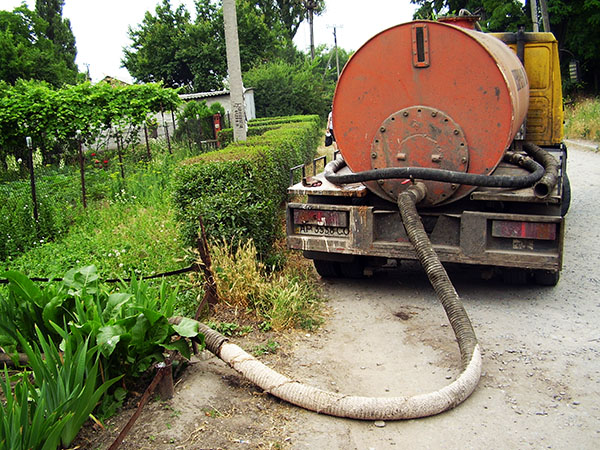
[[39, 200]]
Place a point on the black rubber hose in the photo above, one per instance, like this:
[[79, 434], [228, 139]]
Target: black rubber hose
[[438, 277], [544, 187], [448, 176]]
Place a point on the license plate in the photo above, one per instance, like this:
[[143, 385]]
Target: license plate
[[321, 230]]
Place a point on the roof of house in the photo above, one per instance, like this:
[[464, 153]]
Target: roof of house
[[200, 95]]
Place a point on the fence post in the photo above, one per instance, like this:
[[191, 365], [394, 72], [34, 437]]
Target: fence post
[[162, 114], [118, 139], [32, 179], [82, 170], [187, 132], [147, 142]]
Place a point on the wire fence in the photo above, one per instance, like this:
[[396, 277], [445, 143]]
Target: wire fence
[[40, 199]]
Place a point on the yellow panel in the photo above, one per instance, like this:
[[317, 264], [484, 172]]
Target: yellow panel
[[537, 66], [545, 114]]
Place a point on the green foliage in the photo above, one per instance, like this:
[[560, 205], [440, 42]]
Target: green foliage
[[282, 89], [124, 332], [195, 121], [19, 232], [169, 47], [59, 30], [34, 49], [237, 191], [581, 119], [25, 419], [138, 198], [254, 129], [575, 24], [53, 118], [70, 377], [130, 326]]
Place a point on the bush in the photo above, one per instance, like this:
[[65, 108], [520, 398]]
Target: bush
[[282, 89], [238, 191]]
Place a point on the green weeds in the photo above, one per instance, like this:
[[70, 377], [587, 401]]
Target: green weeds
[[283, 299], [582, 119]]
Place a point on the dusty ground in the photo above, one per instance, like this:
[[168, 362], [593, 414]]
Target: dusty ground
[[388, 336]]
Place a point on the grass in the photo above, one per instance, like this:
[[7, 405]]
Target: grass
[[283, 298], [129, 229], [582, 119]]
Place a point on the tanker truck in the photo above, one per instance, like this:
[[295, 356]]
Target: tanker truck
[[473, 122]]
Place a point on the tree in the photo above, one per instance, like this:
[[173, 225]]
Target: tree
[[27, 53], [495, 15], [289, 13], [282, 89], [576, 25], [155, 53], [58, 30], [171, 48]]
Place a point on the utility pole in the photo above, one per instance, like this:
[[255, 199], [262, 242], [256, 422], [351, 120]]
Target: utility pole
[[545, 18], [534, 15], [337, 59], [234, 68], [311, 5]]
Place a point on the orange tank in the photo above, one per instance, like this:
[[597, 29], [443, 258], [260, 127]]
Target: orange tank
[[429, 94]]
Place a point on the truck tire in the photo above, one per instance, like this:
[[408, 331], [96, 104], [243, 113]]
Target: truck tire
[[566, 196], [327, 269], [546, 277], [353, 269], [515, 277]]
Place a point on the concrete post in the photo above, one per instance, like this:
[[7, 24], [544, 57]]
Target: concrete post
[[235, 71]]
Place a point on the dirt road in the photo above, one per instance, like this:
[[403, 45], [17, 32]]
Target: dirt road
[[388, 336]]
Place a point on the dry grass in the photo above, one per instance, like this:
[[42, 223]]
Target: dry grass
[[582, 119], [285, 298]]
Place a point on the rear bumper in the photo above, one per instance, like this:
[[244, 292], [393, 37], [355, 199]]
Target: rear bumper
[[469, 237]]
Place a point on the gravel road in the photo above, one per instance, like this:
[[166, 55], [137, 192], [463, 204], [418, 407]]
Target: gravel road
[[388, 336]]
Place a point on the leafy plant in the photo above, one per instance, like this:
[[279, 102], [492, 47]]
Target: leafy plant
[[269, 347], [70, 378], [25, 419], [130, 326]]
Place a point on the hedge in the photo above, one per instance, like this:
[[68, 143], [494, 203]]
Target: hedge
[[257, 127], [238, 191]]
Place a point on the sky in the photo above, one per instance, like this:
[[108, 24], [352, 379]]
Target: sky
[[100, 27]]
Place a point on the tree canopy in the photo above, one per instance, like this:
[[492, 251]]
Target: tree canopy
[[58, 30], [28, 52], [289, 13], [169, 46], [575, 23]]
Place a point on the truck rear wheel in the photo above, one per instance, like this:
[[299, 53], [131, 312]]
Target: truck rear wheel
[[546, 277], [354, 268], [566, 196], [327, 269]]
